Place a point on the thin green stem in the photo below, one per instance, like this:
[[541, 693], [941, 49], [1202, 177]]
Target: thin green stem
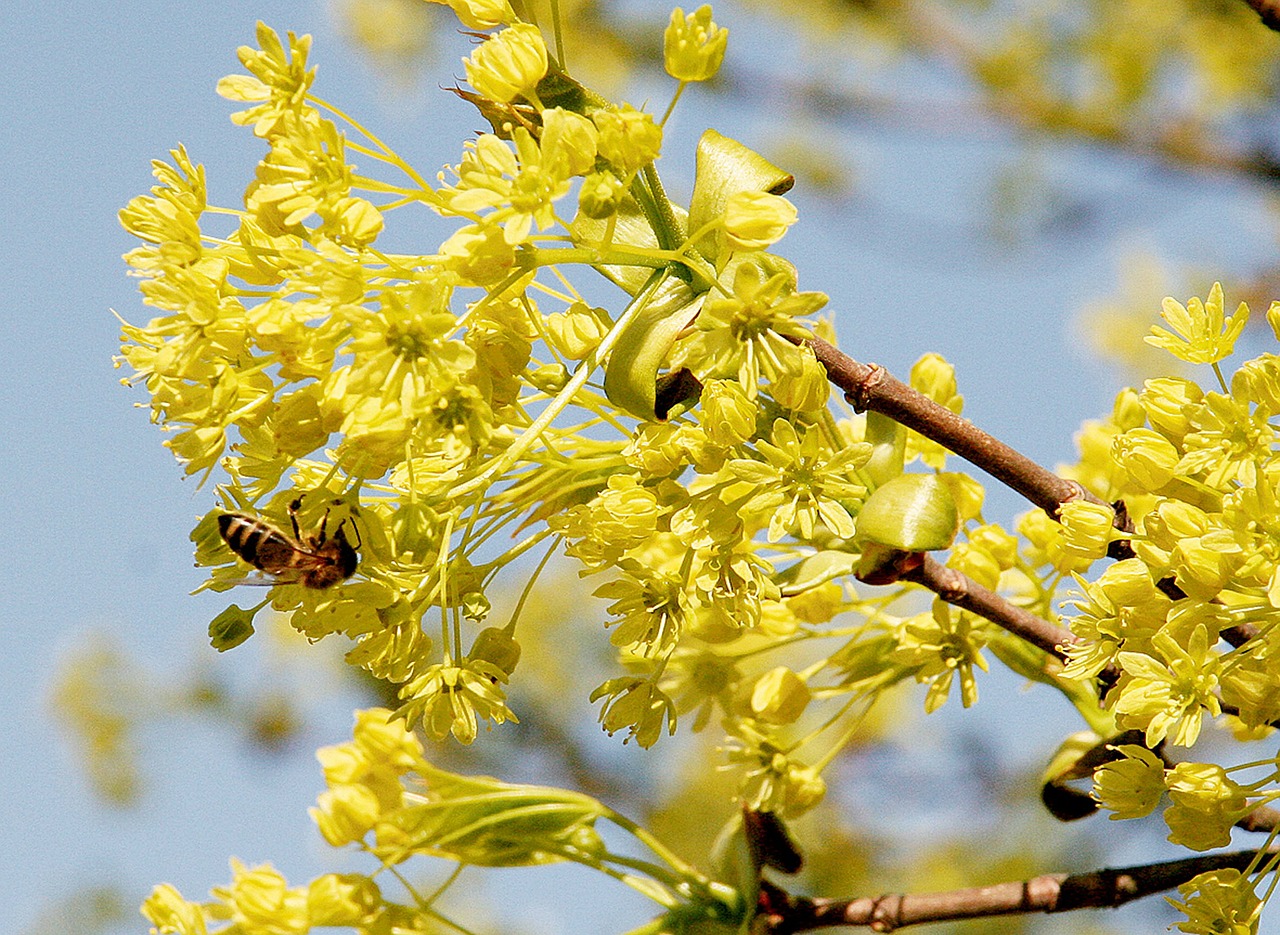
[[510, 628], [658, 848], [392, 155], [530, 436], [558, 35], [672, 106]]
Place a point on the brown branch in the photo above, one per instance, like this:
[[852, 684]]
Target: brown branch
[[1268, 11], [784, 913], [870, 386], [957, 588], [1264, 818]]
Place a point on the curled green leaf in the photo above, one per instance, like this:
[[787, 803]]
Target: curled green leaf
[[631, 378]]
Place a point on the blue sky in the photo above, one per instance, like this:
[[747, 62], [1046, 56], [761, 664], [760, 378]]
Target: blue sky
[[96, 514]]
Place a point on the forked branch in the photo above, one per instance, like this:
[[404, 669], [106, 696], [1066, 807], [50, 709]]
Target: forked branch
[[784, 913]]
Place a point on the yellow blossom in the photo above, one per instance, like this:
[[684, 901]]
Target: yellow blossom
[[170, 914], [508, 64], [693, 45], [1130, 787], [1204, 335]]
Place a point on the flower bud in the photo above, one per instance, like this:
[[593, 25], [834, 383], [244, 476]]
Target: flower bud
[[479, 254], [779, 696], [169, 912], [1089, 528], [578, 330], [802, 385], [754, 220], [629, 139], [495, 645], [1166, 401], [345, 899], [569, 142], [601, 194], [385, 740], [481, 14], [345, 813], [1206, 803], [728, 414], [1131, 787], [1126, 411], [1146, 456]]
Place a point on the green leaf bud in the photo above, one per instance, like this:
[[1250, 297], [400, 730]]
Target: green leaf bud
[[693, 45], [912, 512]]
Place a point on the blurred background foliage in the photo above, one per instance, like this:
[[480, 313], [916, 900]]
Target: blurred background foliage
[[1166, 86]]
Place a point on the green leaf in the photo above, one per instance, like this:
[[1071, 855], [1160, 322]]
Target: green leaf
[[725, 167], [911, 512], [815, 570], [888, 440], [631, 378], [631, 227]]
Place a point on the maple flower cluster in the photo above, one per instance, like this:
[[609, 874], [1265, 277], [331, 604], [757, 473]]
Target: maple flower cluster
[[680, 446], [424, 403]]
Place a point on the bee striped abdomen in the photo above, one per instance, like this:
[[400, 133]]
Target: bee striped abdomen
[[262, 546], [320, 563]]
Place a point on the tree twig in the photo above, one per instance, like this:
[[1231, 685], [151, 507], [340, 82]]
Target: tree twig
[[958, 589], [784, 913], [1268, 11], [870, 386]]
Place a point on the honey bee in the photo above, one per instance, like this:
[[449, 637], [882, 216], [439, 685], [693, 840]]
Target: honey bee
[[318, 561]]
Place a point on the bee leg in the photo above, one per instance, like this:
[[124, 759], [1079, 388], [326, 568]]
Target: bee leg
[[294, 507]]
